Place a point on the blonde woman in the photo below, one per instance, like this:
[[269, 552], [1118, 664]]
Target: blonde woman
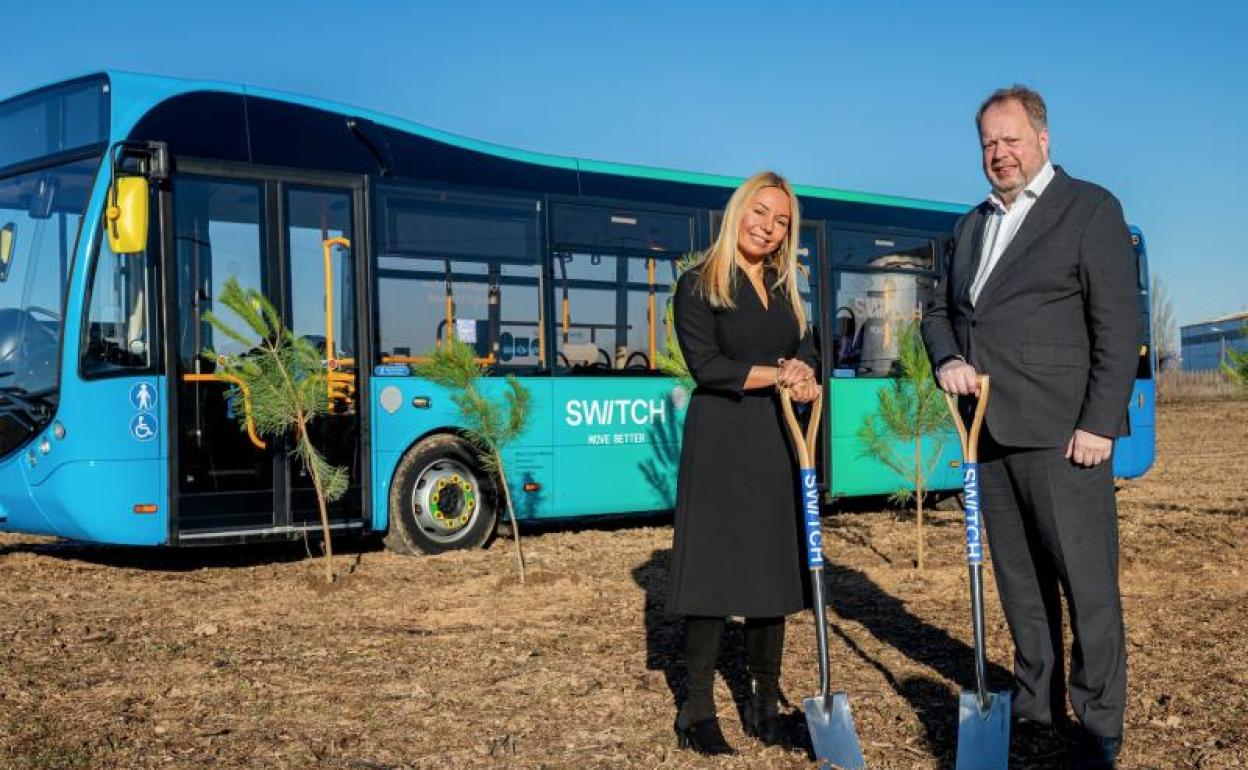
[[737, 546]]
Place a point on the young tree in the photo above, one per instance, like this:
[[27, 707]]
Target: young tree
[[1235, 364], [489, 426], [669, 359], [911, 409], [1164, 331], [285, 379]]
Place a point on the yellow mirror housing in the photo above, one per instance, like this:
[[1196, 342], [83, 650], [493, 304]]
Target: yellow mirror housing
[[126, 216]]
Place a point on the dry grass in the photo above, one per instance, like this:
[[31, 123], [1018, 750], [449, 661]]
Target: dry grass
[[234, 658], [1175, 386]]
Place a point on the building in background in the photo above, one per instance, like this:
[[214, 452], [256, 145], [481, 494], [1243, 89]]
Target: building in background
[[1204, 344]]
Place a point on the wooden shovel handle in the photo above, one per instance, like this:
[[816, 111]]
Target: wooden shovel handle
[[970, 445], [804, 445]]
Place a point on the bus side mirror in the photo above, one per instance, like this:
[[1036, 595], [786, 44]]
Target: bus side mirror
[[6, 250], [127, 215]]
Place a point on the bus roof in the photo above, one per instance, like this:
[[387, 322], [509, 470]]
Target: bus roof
[[134, 94]]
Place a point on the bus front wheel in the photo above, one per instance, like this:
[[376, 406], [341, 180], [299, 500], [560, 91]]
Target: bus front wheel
[[441, 499]]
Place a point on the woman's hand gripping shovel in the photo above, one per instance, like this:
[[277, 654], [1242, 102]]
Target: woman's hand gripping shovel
[[983, 717], [828, 719]]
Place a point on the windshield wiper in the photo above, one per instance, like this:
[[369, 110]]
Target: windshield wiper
[[29, 409]]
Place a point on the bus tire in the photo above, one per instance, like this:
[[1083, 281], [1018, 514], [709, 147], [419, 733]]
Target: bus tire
[[441, 499]]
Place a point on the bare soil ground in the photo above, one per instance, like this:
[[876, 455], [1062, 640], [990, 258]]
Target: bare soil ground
[[234, 658]]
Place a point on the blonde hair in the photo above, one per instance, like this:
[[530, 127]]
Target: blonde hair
[[717, 276]]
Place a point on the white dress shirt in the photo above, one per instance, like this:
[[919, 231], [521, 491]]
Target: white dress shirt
[[1003, 223]]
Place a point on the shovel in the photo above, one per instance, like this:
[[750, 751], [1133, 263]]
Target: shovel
[[983, 717], [828, 719]]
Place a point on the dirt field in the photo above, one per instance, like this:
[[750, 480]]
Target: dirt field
[[119, 658]]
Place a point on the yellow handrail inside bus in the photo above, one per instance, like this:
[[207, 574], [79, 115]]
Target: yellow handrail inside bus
[[541, 338], [449, 293], [484, 361], [450, 314], [337, 384], [242, 386], [652, 324], [328, 245]]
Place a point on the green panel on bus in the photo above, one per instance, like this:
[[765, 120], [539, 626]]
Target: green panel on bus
[[853, 472], [616, 444]]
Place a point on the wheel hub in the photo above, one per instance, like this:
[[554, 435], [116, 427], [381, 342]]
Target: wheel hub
[[452, 501], [445, 500]]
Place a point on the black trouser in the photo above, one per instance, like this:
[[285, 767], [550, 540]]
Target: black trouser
[[764, 649], [1053, 527]]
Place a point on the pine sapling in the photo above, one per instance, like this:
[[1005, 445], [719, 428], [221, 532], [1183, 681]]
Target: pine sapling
[[669, 359], [910, 409], [1235, 363], [488, 424], [286, 381]]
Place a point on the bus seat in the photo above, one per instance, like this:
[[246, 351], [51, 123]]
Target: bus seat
[[581, 353]]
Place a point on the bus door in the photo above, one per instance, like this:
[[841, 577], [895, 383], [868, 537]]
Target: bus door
[[320, 249], [294, 243]]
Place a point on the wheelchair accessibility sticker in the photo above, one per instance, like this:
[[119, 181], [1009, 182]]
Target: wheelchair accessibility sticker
[[143, 397], [143, 427]]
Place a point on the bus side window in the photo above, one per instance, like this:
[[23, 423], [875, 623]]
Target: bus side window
[[116, 334], [647, 329], [461, 263], [613, 269], [808, 272], [586, 287]]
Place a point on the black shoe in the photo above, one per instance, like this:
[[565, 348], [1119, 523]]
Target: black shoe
[[704, 737], [1030, 736], [765, 725], [1036, 727], [1093, 752]]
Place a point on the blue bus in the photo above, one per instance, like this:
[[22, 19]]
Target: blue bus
[[127, 201], [1134, 455]]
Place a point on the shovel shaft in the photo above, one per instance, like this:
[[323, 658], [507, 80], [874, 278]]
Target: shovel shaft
[[977, 621], [814, 562], [808, 481], [974, 529], [833, 737], [821, 635], [971, 517]]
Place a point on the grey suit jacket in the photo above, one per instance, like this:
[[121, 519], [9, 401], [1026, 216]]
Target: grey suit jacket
[[1057, 325]]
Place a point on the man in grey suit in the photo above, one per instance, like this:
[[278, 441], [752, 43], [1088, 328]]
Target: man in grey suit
[[1040, 293]]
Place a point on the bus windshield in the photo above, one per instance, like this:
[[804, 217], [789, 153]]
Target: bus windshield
[[41, 214]]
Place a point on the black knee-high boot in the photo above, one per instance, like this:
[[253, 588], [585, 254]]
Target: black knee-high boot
[[764, 650], [696, 725]]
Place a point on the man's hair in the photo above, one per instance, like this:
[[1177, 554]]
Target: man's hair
[[1033, 104]]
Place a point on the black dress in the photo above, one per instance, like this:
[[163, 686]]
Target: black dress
[[737, 548]]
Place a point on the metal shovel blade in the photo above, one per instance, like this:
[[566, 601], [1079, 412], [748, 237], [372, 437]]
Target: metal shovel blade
[[832, 733], [983, 736]]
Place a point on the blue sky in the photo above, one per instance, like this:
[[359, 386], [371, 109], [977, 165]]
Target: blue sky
[[1147, 98]]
